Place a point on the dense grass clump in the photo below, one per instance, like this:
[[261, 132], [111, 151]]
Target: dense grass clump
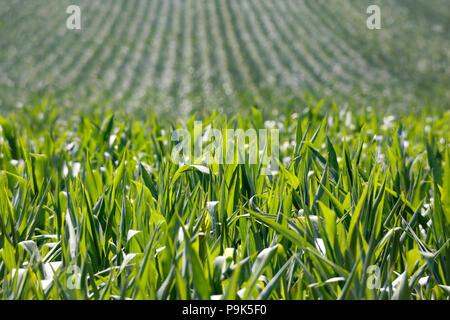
[[92, 207]]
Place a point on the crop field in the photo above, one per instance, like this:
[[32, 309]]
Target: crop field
[[197, 55], [103, 195]]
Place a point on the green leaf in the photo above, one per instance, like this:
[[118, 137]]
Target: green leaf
[[402, 292]]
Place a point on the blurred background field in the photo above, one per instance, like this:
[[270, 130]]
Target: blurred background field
[[187, 56]]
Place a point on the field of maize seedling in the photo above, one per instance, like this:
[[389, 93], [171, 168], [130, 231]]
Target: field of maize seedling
[[196, 55], [98, 202], [93, 207]]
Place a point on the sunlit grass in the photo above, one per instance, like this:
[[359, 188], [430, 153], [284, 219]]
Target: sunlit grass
[[100, 194]]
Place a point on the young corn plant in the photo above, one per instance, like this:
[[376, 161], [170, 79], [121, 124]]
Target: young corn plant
[[94, 207]]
